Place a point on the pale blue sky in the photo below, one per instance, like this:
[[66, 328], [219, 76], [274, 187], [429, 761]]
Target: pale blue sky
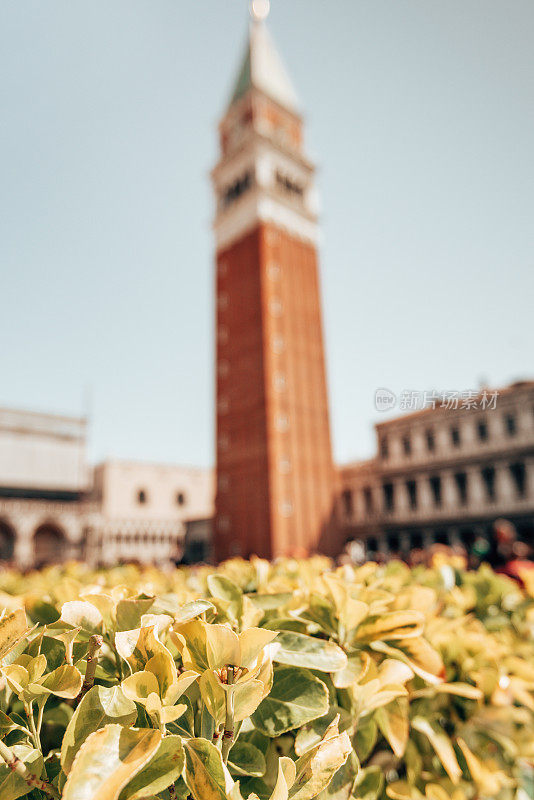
[[420, 114]]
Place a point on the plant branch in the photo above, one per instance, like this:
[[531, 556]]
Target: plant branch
[[228, 734], [35, 736], [18, 766], [95, 643]]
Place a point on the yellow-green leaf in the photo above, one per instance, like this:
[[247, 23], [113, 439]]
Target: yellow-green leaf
[[316, 768], [393, 721], [101, 706], [13, 629], [164, 768], [296, 697], [205, 773], [64, 682], [442, 745], [299, 650], [285, 779], [138, 646], [108, 760], [140, 685], [391, 625], [81, 614]]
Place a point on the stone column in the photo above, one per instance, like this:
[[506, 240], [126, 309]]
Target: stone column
[[476, 495], [529, 478], [505, 492], [425, 502], [449, 494], [402, 505], [24, 528]]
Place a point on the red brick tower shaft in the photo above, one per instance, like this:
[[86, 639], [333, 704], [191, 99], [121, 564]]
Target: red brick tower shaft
[[275, 477]]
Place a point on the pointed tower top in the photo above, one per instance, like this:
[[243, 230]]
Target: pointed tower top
[[259, 9], [262, 66]]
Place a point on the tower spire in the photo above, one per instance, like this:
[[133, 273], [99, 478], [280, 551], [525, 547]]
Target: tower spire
[[262, 67], [259, 10]]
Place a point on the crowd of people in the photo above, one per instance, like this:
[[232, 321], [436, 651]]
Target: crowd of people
[[505, 552]]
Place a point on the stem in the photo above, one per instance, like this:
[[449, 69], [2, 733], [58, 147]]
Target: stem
[[40, 709], [95, 643], [35, 736], [228, 734], [217, 737], [18, 766], [172, 791]]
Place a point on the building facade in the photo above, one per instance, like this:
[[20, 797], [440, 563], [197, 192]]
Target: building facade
[[444, 475], [44, 480], [275, 477], [55, 507], [144, 510]]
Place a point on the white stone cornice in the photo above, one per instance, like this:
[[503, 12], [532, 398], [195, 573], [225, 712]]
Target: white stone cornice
[[256, 209]]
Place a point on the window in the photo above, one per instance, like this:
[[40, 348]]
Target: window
[[223, 367], [224, 441], [416, 540], [141, 496], [482, 430], [368, 500], [222, 333], [276, 307], [237, 188], [279, 381], [430, 441], [372, 545], [222, 300], [389, 496], [286, 508], [223, 482], [518, 473], [384, 448], [460, 479], [284, 465], [441, 537], [347, 501], [223, 405], [288, 185], [223, 523], [468, 537], [273, 271], [406, 445], [411, 488], [488, 478], [180, 498], [510, 424], [435, 488], [282, 423], [278, 344], [455, 437], [393, 543]]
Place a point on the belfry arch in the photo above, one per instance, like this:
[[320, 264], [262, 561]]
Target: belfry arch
[[7, 541], [49, 544]]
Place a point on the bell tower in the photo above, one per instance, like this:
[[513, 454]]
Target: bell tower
[[275, 477]]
